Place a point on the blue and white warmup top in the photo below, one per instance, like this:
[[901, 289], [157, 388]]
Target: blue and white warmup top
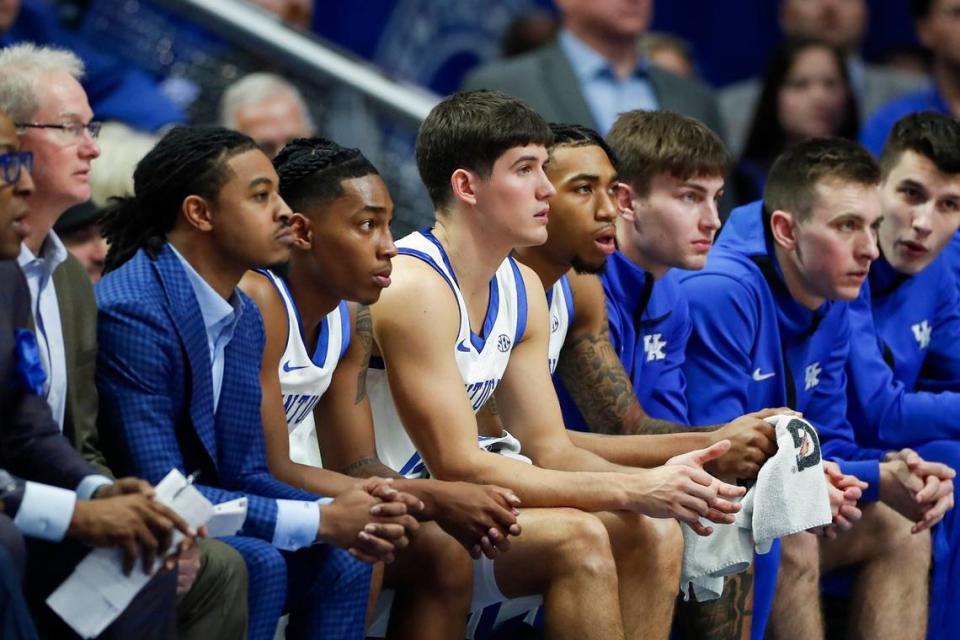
[[481, 359], [305, 378]]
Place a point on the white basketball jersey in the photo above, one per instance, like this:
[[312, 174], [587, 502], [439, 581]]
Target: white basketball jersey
[[305, 378], [481, 359], [560, 301]]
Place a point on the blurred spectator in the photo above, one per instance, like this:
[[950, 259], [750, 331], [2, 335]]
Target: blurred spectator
[[296, 13], [111, 175], [116, 91], [909, 59], [79, 231], [268, 109], [669, 52], [528, 32], [806, 94], [594, 70], [841, 23], [938, 27]]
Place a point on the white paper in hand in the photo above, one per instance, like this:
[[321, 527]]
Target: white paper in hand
[[97, 591], [227, 518]]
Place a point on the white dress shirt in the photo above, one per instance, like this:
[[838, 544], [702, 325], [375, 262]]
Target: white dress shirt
[[46, 316]]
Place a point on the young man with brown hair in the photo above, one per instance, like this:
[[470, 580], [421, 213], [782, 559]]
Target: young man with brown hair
[[462, 320], [771, 326]]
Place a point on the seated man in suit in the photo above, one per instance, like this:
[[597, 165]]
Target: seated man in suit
[[16, 185], [56, 500], [178, 371], [40, 89], [594, 70]]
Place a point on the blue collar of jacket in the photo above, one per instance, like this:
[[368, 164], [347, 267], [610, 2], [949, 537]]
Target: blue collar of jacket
[[747, 231], [884, 279], [630, 285]]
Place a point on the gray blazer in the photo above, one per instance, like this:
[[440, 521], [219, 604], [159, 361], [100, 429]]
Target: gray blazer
[[545, 80]]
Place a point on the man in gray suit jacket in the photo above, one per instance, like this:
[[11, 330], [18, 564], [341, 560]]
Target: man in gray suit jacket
[[840, 24], [593, 70]]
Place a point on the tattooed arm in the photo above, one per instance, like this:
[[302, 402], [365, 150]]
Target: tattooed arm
[[730, 617], [343, 416], [592, 373]]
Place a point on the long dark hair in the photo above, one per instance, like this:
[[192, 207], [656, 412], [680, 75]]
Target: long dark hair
[[767, 138], [188, 160]]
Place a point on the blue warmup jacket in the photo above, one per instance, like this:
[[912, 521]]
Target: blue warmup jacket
[[904, 346], [905, 335], [649, 328], [753, 346], [951, 255]]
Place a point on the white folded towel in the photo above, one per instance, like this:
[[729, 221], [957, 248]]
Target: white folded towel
[[790, 495]]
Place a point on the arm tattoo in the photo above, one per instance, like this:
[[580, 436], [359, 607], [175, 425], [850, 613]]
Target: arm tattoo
[[591, 372], [729, 617], [365, 336], [366, 467]]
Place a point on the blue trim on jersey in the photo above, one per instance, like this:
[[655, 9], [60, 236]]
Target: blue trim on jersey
[[521, 301], [420, 255], [344, 328], [493, 300], [568, 296], [493, 309], [415, 463], [323, 340], [272, 277], [428, 234], [323, 333], [405, 251]]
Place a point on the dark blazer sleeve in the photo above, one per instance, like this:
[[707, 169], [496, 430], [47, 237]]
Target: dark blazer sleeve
[[31, 445], [78, 318]]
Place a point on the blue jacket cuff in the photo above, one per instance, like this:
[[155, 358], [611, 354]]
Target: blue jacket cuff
[[866, 470]]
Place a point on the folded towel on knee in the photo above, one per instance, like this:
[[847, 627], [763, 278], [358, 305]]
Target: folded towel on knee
[[790, 495]]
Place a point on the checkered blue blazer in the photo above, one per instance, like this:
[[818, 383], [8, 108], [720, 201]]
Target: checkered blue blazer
[[156, 392]]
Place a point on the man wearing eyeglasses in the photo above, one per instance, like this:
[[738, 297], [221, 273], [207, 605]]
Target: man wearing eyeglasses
[[40, 89]]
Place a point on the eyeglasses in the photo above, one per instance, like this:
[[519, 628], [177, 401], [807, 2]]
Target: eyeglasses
[[12, 164], [73, 130]]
